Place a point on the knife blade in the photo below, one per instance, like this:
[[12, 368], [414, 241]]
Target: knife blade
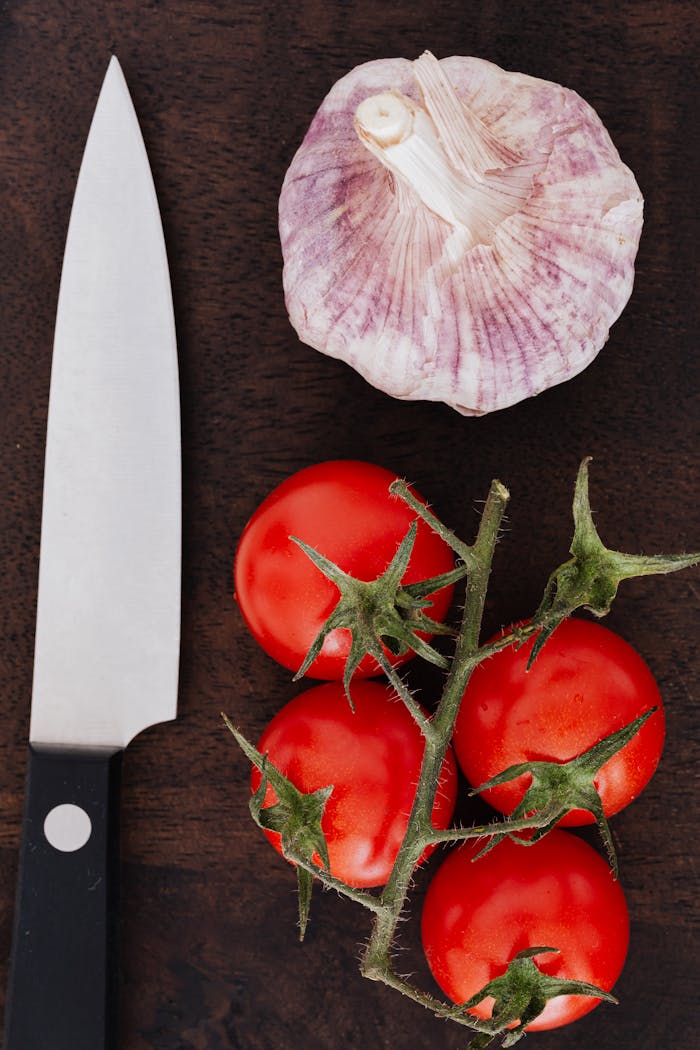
[[107, 641]]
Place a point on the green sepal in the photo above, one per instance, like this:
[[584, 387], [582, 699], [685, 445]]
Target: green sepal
[[381, 613], [296, 816], [592, 575], [520, 995], [305, 886], [559, 787]]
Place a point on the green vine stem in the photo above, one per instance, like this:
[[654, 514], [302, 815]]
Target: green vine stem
[[376, 961]]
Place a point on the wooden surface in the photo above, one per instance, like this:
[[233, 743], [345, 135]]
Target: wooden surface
[[224, 93]]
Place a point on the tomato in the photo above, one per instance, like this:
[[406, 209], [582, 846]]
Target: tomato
[[585, 683], [371, 756], [558, 893], [344, 510]]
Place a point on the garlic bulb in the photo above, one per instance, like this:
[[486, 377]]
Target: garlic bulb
[[456, 232]]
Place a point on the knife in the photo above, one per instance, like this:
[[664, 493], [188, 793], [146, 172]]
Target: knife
[[107, 639]]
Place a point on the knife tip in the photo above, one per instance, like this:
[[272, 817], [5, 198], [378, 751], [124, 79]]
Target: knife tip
[[114, 78]]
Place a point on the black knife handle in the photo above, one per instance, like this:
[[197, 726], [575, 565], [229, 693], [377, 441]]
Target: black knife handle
[[63, 972]]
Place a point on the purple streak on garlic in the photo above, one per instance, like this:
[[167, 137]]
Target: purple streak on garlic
[[457, 233]]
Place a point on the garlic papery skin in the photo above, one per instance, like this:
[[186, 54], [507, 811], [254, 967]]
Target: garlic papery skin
[[456, 232]]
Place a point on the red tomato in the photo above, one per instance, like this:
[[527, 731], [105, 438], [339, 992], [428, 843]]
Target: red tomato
[[585, 683], [344, 510], [558, 893], [371, 756]]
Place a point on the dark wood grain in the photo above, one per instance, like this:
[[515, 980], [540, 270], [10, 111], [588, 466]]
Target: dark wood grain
[[224, 93]]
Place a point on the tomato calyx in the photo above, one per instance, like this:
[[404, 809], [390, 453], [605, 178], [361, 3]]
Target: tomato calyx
[[381, 614], [557, 788], [590, 578], [520, 995], [296, 817]]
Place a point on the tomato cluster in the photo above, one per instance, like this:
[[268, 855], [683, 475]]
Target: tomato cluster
[[585, 684]]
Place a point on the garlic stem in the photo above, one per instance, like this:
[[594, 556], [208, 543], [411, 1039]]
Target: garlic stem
[[416, 155], [385, 118], [453, 162]]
